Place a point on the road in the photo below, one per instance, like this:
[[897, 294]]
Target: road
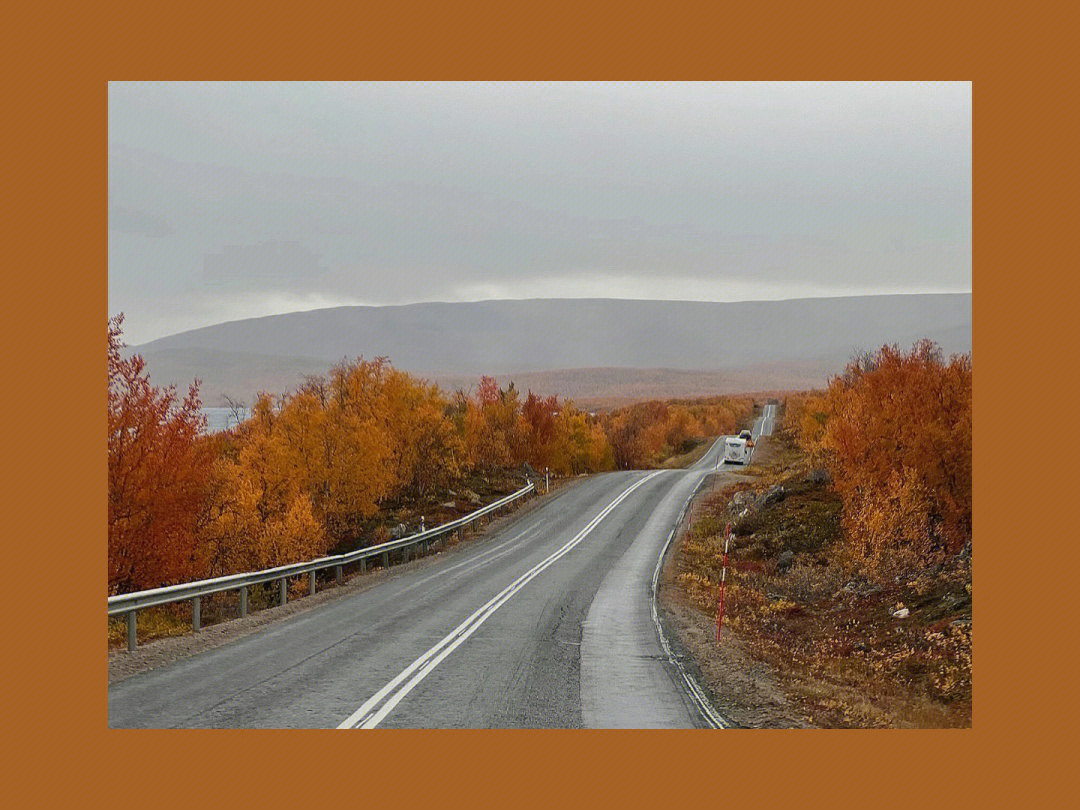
[[547, 622], [764, 424]]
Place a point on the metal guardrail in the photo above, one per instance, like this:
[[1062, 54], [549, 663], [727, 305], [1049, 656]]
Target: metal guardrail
[[130, 603]]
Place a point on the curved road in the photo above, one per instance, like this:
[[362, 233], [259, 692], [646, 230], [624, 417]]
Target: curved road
[[546, 622]]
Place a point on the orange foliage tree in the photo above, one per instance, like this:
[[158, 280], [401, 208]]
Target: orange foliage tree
[[304, 473], [895, 432], [563, 438], [329, 442], [495, 431], [582, 445], [804, 420], [427, 448], [644, 434], [159, 468], [259, 511]]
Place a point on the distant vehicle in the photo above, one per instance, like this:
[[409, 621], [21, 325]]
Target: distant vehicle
[[739, 449]]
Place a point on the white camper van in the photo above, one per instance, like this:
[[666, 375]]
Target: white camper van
[[739, 449]]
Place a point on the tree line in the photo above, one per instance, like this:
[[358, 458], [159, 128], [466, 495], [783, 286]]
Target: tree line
[[894, 432], [303, 474], [644, 434]]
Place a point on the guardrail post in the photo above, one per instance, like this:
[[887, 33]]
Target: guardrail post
[[460, 533], [363, 565], [311, 584], [243, 601], [283, 596], [132, 637], [386, 559], [338, 574], [196, 613]]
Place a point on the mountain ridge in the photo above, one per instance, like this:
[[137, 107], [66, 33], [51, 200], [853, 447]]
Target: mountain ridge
[[787, 341]]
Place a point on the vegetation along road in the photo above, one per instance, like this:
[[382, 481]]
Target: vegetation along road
[[548, 621]]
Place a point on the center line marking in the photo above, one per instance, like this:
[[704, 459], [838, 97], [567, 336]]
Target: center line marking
[[368, 716]]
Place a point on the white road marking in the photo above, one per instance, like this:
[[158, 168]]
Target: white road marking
[[693, 689], [367, 716], [480, 560]]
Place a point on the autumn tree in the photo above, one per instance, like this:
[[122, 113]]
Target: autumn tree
[[895, 433], [540, 414], [159, 466], [581, 445], [428, 451], [804, 419], [239, 529], [339, 446], [646, 433], [563, 438], [495, 431]]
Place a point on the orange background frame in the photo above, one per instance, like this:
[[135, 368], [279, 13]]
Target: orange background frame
[[57, 64]]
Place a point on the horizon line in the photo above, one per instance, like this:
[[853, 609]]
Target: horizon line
[[556, 298]]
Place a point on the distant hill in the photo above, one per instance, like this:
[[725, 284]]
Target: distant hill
[[588, 349], [601, 388]]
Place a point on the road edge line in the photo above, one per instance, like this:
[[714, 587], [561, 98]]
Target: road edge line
[[694, 691]]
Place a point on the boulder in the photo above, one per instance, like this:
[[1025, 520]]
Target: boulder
[[742, 501], [773, 495]]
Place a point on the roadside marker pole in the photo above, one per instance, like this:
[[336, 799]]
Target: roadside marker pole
[[723, 579]]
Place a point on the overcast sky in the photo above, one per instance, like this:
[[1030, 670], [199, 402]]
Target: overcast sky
[[229, 201]]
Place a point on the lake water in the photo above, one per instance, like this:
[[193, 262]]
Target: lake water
[[218, 419]]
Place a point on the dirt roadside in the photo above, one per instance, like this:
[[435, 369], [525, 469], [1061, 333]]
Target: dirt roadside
[[746, 692]]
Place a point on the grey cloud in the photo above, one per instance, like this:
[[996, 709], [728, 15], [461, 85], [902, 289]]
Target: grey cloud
[[268, 266], [390, 193], [138, 222]]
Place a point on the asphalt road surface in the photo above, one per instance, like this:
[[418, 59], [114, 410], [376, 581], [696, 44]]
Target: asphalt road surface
[[547, 622], [764, 424]]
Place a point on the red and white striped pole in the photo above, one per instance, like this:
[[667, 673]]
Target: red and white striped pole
[[723, 578]]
